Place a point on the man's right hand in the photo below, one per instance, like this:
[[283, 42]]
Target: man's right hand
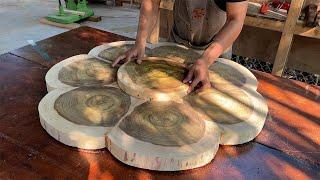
[[137, 52]]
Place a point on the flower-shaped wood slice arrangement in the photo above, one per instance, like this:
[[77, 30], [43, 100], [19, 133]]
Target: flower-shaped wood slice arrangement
[[143, 114]]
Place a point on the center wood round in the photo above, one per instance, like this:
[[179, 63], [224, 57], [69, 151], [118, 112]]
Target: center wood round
[[153, 79], [93, 106]]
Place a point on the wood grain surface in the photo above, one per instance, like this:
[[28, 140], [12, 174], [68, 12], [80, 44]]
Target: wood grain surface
[[80, 70], [164, 136], [155, 78], [287, 147]]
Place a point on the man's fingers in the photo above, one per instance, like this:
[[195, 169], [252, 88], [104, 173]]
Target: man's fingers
[[189, 76], [204, 86], [139, 59], [194, 83], [128, 57], [121, 57]]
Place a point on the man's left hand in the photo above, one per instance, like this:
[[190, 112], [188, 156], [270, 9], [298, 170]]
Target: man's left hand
[[198, 73]]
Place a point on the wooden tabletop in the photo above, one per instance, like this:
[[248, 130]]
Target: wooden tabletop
[[287, 147]]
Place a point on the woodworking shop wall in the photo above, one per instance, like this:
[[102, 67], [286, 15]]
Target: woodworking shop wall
[[305, 48], [304, 54]]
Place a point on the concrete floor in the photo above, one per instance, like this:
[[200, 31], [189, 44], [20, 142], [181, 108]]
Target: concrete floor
[[20, 21]]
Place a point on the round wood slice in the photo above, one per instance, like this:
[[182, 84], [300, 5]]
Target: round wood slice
[[80, 70], [155, 78], [112, 50], [224, 72], [164, 136], [80, 117], [240, 114], [174, 51]]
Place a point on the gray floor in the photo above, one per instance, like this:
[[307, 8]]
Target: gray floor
[[20, 21]]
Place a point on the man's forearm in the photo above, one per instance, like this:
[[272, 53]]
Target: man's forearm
[[223, 40], [147, 20], [236, 13]]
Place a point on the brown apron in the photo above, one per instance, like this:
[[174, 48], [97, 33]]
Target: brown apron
[[196, 22]]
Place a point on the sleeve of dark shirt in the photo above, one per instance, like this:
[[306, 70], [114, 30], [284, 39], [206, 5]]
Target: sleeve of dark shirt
[[222, 4]]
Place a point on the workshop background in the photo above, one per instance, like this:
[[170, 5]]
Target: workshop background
[[21, 26]]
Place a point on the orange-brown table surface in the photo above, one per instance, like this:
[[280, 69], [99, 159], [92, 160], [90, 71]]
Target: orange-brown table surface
[[287, 147]]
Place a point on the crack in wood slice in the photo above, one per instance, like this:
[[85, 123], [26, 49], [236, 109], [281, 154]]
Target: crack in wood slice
[[93, 106], [221, 73], [222, 107], [176, 53], [164, 123], [87, 72]]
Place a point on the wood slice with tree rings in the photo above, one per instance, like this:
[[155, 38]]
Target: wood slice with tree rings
[[80, 117], [113, 50], [87, 72], [225, 72], [93, 106], [240, 114], [164, 124], [110, 51], [155, 78], [80, 70], [164, 136], [177, 53]]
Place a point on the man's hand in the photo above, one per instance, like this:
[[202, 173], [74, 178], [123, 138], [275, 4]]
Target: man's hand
[[198, 73], [137, 52]]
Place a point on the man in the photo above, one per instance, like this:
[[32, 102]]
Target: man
[[209, 25]]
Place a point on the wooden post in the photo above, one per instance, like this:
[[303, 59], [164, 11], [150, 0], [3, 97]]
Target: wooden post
[[287, 37], [154, 36]]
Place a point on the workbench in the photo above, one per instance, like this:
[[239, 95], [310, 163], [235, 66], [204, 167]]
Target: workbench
[[287, 147]]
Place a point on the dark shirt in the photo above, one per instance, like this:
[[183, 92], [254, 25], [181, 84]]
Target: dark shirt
[[222, 4], [196, 22]]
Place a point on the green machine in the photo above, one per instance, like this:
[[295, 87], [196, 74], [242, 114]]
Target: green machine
[[73, 12]]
